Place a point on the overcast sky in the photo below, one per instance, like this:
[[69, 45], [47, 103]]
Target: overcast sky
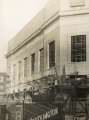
[[14, 14]]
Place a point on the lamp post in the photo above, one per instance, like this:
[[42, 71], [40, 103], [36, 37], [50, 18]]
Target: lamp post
[[23, 109], [23, 103]]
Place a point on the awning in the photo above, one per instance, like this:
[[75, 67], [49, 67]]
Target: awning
[[35, 111], [39, 111]]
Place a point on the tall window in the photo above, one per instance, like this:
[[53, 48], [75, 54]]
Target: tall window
[[52, 54], [25, 68], [41, 59], [19, 70], [33, 63], [14, 74], [78, 48]]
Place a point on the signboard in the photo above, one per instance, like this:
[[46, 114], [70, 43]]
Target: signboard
[[68, 117], [71, 117], [19, 112], [79, 118], [47, 115]]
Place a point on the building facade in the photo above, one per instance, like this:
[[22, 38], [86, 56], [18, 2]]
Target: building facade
[[4, 86], [55, 40]]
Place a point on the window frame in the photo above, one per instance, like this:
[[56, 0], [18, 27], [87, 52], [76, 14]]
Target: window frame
[[78, 48], [41, 66], [51, 56], [25, 67], [33, 58], [19, 70]]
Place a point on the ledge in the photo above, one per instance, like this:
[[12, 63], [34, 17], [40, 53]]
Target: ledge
[[74, 12]]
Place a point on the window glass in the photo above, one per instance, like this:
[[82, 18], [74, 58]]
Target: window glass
[[33, 63], [78, 48], [14, 72], [19, 70], [51, 54], [25, 68], [41, 59]]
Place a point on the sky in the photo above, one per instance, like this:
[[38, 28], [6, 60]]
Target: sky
[[14, 14]]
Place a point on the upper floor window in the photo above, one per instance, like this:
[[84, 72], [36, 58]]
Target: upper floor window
[[78, 48], [51, 54], [41, 59], [19, 70], [33, 63], [14, 73], [25, 67]]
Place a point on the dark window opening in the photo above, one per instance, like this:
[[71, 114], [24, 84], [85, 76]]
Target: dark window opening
[[19, 70], [78, 48], [41, 59], [25, 67], [52, 54], [33, 63]]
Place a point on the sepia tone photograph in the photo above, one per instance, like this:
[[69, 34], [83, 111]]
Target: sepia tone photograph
[[44, 60]]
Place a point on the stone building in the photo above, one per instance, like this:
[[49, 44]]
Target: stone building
[[55, 40], [4, 86]]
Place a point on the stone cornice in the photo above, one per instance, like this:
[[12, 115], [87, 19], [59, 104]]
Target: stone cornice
[[45, 24]]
